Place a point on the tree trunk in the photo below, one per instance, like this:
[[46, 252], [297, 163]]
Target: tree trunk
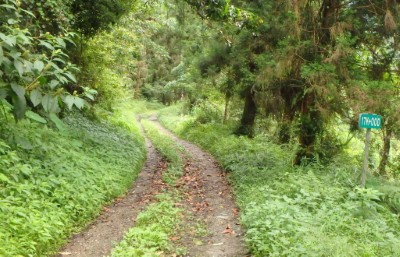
[[249, 115], [310, 126], [284, 132], [385, 151]]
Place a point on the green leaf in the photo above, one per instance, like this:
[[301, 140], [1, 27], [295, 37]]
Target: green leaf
[[69, 101], [10, 40], [7, 6], [47, 45], [61, 42], [70, 76], [35, 117], [59, 123], [19, 67], [50, 103], [54, 83], [38, 65], [42, 80], [3, 178], [19, 102], [36, 97], [28, 12], [19, 90], [59, 60], [79, 102], [12, 21]]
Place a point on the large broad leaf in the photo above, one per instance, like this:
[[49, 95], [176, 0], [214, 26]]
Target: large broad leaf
[[38, 65], [35, 117], [50, 103], [79, 102], [19, 90], [36, 97], [53, 84], [69, 101], [10, 40], [19, 66], [19, 102], [59, 123]]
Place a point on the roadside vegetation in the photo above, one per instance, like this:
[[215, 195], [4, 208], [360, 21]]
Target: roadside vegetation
[[287, 210], [53, 182]]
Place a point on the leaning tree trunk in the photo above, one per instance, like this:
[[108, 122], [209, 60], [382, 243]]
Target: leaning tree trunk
[[249, 114], [385, 151]]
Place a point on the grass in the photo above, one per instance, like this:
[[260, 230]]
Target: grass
[[168, 149], [152, 232], [316, 210], [52, 183]]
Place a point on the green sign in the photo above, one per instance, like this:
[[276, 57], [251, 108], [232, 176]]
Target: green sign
[[370, 121]]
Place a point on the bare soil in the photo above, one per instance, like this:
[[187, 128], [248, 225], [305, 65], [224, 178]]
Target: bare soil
[[100, 237], [210, 200]]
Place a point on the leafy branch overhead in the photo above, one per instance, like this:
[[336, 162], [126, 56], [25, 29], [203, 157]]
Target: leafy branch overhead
[[223, 10], [34, 70]]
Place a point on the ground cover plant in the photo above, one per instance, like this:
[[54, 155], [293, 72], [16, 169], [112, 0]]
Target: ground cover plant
[[53, 182], [288, 210]]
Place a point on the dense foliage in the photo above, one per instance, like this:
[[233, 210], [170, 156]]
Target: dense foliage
[[292, 76], [67, 176]]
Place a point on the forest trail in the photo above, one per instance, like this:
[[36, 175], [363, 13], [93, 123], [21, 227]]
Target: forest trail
[[210, 199], [109, 228], [207, 198]]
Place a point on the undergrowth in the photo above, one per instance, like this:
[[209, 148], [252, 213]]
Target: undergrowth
[[52, 183], [316, 210]]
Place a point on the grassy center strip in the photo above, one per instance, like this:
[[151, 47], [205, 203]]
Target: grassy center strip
[[161, 221], [169, 150]]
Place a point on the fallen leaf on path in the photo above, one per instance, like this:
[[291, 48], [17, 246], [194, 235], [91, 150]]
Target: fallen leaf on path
[[228, 230], [65, 253], [174, 238]]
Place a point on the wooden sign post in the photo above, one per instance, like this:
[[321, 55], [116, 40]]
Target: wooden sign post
[[368, 121]]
